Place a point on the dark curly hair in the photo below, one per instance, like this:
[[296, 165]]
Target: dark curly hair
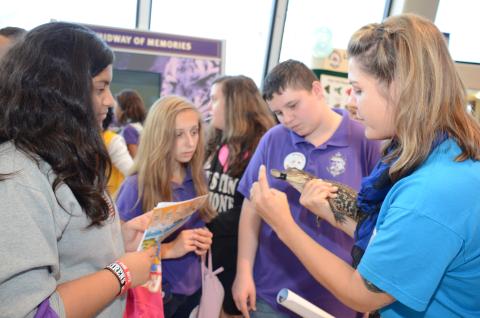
[[47, 111]]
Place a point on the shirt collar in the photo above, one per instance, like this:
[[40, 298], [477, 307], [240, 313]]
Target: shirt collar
[[188, 178], [340, 137]]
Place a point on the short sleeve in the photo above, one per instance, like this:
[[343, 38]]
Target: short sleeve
[[131, 135], [251, 172], [408, 256]]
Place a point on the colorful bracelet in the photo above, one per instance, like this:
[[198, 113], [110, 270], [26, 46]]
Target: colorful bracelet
[[128, 277], [122, 273]]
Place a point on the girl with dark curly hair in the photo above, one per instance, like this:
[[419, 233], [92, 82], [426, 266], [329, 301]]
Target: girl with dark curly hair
[[61, 235]]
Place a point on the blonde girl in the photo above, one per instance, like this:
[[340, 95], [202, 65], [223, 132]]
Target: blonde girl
[[169, 167]]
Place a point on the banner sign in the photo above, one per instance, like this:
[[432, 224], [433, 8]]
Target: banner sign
[[186, 65], [159, 43]]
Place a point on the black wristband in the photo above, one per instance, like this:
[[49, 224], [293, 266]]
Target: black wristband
[[118, 272]]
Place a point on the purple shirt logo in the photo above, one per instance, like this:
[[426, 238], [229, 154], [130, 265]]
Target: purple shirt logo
[[295, 160], [337, 164]]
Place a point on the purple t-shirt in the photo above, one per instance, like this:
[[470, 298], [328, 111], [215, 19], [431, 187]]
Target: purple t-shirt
[[346, 157], [182, 274]]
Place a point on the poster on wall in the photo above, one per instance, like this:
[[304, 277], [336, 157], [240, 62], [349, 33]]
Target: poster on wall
[[333, 74], [165, 64], [336, 90]]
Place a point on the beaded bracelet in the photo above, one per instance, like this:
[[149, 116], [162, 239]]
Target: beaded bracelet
[[122, 273]]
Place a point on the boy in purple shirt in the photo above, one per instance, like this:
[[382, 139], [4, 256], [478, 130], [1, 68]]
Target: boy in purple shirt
[[321, 141]]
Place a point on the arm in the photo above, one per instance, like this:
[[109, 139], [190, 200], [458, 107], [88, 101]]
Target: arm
[[332, 272], [81, 300], [33, 221], [243, 289], [348, 226], [107, 285], [133, 229], [132, 149]]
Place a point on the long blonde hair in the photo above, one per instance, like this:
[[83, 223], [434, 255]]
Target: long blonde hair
[[409, 52], [155, 157]]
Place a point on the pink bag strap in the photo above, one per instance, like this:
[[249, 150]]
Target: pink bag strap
[[208, 270], [202, 266], [210, 262]]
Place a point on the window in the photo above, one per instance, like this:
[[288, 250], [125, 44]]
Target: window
[[28, 14], [244, 25], [314, 27], [459, 20]]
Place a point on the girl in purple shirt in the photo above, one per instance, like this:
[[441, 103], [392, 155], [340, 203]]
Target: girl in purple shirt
[[168, 167]]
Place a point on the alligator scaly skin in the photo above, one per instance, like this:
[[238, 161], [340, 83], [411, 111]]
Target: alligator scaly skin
[[345, 204]]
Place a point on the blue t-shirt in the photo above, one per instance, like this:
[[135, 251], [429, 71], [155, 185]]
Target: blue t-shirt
[[346, 157], [425, 250], [182, 274]]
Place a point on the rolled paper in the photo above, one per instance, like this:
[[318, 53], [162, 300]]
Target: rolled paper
[[300, 305]]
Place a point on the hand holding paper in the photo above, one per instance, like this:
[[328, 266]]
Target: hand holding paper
[[133, 230], [138, 264], [165, 219]]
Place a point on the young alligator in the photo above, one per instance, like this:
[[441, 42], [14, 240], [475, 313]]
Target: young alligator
[[345, 204]]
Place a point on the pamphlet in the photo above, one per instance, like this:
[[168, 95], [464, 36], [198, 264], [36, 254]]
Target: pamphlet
[[166, 218]]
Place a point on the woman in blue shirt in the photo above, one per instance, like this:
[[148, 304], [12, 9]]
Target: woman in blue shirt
[[423, 257]]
